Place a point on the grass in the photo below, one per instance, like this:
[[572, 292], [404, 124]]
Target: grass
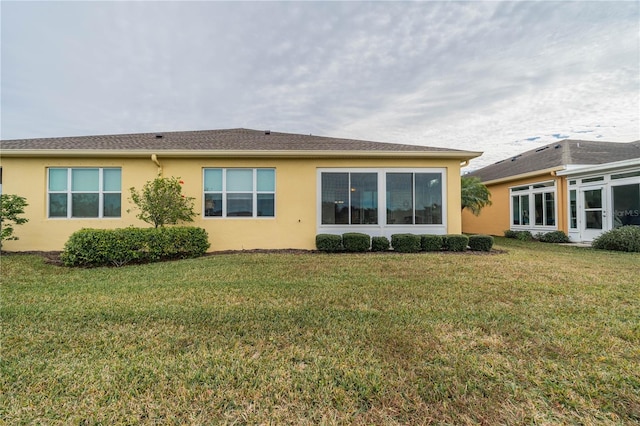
[[539, 334]]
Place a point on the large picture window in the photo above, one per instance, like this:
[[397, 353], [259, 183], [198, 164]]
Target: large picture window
[[534, 205], [409, 197], [349, 198], [414, 198], [84, 192], [626, 205], [239, 192]]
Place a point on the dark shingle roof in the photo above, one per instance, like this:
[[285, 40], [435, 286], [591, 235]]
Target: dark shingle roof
[[559, 154], [214, 141]]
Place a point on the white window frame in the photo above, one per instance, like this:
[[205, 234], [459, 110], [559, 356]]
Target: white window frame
[[254, 193], [382, 228], [532, 189], [69, 192]]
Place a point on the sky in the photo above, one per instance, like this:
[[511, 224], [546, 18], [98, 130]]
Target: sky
[[497, 77]]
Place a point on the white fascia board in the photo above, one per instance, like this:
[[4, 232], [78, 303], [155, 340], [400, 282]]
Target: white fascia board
[[595, 168]]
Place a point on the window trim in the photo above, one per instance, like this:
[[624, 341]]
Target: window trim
[[254, 193], [530, 191], [382, 228], [69, 193]]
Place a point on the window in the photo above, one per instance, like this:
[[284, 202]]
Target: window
[[411, 197], [414, 198], [84, 192], [534, 205], [573, 209], [349, 198], [626, 205], [239, 192]]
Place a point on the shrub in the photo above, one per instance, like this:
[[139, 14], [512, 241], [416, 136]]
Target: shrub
[[11, 209], [379, 244], [405, 243], [431, 242], [101, 247], [510, 234], [480, 242], [329, 242], [161, 202], [554, 237], [455, 242], [625, 238], [356, 242]]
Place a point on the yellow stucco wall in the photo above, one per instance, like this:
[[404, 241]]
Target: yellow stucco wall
[[294, 225], [495, 219]]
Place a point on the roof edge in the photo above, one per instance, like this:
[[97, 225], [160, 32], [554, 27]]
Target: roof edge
[[551, 171], [464, 155]]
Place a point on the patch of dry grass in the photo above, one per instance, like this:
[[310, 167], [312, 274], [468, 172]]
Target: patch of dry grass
[[541, 334]]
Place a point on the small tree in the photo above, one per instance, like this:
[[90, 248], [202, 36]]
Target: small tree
[[11, 206], [161, 202], [475, 195]]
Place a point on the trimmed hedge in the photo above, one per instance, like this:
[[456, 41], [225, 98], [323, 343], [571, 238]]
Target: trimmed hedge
[[405, 243], [380, 244], [625, 238], [480, 242], [519, 235], [356, 242], [430, 242], [329, 242], [118, 247], [553, 237], [455, 242]]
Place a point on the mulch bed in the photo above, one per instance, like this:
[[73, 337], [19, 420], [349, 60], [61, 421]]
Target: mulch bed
[[53, 257]]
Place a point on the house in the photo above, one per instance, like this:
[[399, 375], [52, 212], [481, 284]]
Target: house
[[583, 188], [253, 189]]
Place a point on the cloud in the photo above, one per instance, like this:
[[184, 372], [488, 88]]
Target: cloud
[[492, 76]]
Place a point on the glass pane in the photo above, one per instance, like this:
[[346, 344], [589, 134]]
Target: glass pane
[[539, 209], [364, 198], [112, 180], [240, 180], [524, 202], [57, 205], [626, 205], [212, 205], [593, 199], [515, 201], [266, 179], [593, 219], [399, 198], [57, 179], [594, 179], [266, 205], [335, 198], [84, 205], [573, 209], [213, 180], [239, 205], [84, 180], [112, 205], [428, 198], [550, 209], [625, 175]]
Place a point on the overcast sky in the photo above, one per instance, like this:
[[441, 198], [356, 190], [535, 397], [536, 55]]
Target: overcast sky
[[498, 77]]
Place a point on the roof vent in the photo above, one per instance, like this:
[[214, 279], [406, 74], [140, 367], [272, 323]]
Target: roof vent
[[158, 136], [267, 132], [558, 146], [514, 158], [542, 149]]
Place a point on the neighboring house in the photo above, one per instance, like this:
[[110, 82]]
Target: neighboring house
[[253, 189], [583, 188]]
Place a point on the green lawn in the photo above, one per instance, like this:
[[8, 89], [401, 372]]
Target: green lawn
[[537, 334]]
